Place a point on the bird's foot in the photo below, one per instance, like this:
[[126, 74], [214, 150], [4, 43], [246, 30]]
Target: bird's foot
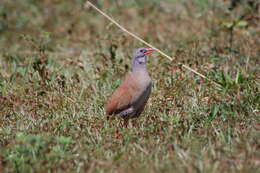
[[125, 123]]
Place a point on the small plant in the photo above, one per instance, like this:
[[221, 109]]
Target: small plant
[[230, 25], [227, 81], [40, 45]]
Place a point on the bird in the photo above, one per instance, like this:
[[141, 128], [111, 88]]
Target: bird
[[129, 99]]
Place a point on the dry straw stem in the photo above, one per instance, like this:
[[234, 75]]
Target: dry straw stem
[[87, 4]]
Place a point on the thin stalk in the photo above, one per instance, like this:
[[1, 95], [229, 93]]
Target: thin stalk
[[87, 4]]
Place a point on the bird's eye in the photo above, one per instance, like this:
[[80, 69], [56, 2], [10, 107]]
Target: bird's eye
[[142, 51]]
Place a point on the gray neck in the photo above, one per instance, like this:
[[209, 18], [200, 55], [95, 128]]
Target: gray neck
[[136, 66]]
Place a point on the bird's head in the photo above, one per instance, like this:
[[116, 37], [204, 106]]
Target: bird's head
[[140, 56]]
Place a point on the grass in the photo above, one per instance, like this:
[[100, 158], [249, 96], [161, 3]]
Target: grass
[[59, 62]]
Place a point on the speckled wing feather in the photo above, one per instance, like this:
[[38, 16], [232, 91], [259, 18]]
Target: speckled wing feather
[[124, 96]]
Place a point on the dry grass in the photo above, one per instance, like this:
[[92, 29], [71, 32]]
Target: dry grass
[[59, 62]]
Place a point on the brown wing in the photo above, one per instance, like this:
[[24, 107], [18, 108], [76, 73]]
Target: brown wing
[[124, 95]]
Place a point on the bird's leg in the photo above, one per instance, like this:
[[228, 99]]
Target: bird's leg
[[126, 122], [121, 124], [126, 114]]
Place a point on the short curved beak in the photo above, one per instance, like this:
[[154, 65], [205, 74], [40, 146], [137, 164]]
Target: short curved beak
[[149, 51]]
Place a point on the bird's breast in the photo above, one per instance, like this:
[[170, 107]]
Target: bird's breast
[[143, 79]]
